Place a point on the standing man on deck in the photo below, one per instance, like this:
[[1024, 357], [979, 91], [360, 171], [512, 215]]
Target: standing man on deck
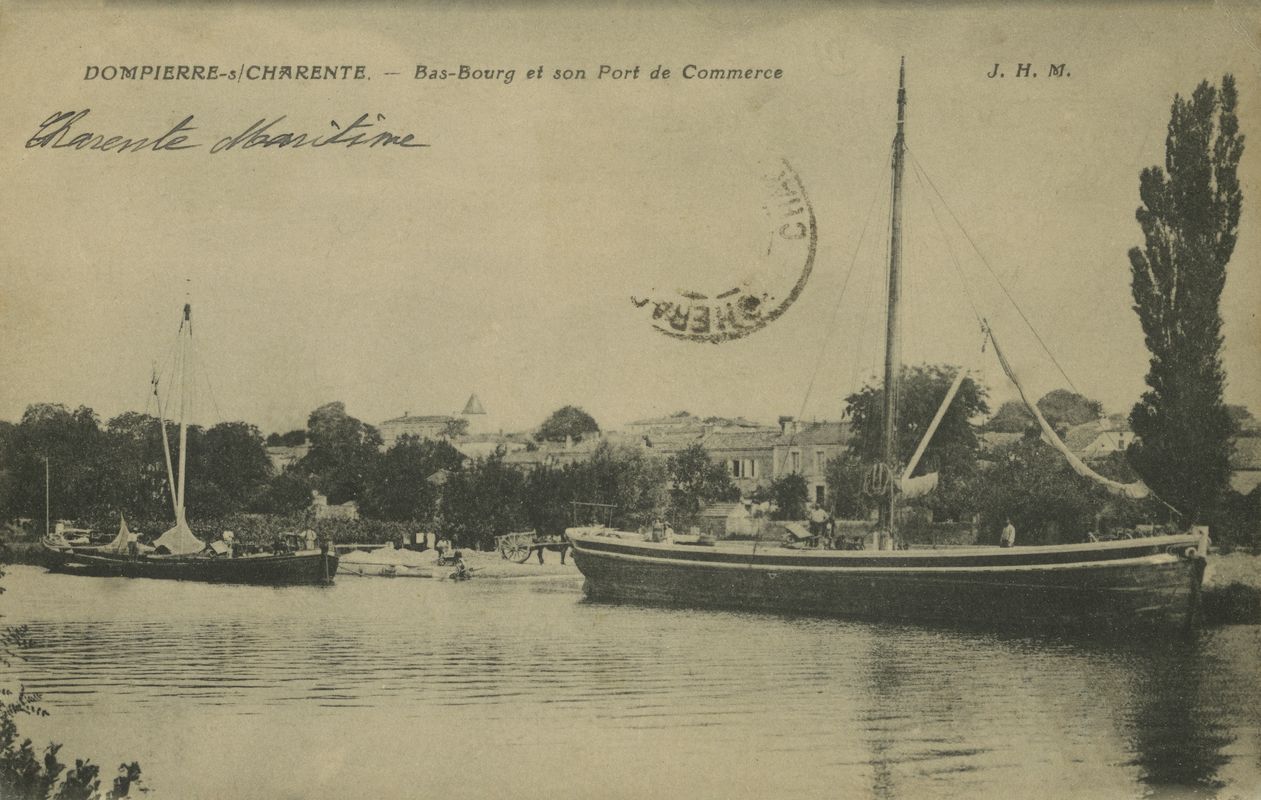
[[1008, 539], [818, 523]]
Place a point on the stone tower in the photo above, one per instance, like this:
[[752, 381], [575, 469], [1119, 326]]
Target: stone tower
[[478, 419]]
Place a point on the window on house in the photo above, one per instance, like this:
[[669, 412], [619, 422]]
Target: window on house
[[820, 462], [794, 461], [743, 467]]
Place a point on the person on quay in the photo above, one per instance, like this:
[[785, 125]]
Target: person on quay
[[1008, 539], [462, 572]]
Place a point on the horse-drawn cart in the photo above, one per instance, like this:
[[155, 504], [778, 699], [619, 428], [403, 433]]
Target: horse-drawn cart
[[518, 547]]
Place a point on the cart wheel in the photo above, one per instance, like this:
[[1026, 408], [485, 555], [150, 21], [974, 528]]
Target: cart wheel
[[521, 553], [515, 552]]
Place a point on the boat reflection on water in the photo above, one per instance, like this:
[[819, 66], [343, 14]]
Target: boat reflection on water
[[1046, 710], [1175, 743]]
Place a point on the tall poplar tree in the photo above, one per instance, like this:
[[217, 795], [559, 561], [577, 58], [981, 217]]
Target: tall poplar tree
[[1190, 221]]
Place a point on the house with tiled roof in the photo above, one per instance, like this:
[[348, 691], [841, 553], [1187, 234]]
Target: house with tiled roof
[[675, 423], [284, 456], [1100, 438], [667, 443], [431, 426], [481, 445], [559, 454], [806, 448], [747, 455]]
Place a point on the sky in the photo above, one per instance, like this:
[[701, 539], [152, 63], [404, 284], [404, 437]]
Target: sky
[[502, 259]]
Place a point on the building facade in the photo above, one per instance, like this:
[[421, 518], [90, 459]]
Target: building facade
[[805, 448]]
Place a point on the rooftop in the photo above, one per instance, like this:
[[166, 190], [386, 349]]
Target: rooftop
[[1079, 437], [813, 433], [473, 406], [419, 418], [741, 440]]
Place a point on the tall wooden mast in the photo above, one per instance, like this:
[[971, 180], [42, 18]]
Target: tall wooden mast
[[186, 333], [892, 354]]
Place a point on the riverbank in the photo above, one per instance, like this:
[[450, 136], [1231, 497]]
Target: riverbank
[[409, 564], [1231, 595], [1232, 589], [365, 564]]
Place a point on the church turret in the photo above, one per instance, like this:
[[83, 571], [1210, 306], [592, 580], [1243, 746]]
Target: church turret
[[478, 419]]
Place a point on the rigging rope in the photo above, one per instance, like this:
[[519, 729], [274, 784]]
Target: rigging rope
[[954, 259], [999, 281], [993, 272], [831, 327]]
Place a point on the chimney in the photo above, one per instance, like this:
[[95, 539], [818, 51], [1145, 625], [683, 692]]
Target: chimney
[[787, 425]]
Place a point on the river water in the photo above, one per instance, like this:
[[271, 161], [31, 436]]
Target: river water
[[521, 688]]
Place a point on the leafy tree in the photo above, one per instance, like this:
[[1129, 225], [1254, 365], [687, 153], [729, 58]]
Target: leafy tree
[[294, 438], [697, 481], [1011, 417], [232, 466], [482, 502], [624, 477], [137, 467], [343, 453], [72, 442], [1048, 503], [1245, 423], [1190, 221], [922, 388], [569, 421], [952, 450], [286, 493], [548, 493], [399, 487], [456, 426], [790, 493], [1064, 409], [1237, 519], [844, 478], [628, 478]]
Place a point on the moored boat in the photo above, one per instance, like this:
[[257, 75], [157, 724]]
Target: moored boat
[[178, 554], [1150, 581], [1098, 585], [313, 566]]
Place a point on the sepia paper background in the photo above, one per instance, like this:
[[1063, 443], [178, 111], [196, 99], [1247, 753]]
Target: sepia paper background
[[503, 259]]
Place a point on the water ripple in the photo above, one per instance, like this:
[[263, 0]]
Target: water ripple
[[520, 673]]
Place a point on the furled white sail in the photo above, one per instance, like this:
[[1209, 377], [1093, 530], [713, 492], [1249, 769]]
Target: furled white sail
[[918, 486], [1135, 491], [119, 543], [912, 488], [180, 541]]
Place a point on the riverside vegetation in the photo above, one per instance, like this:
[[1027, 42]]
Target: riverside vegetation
[[26, 774]]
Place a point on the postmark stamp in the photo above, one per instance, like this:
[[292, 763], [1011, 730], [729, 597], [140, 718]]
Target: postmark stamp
[[773, 279]]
